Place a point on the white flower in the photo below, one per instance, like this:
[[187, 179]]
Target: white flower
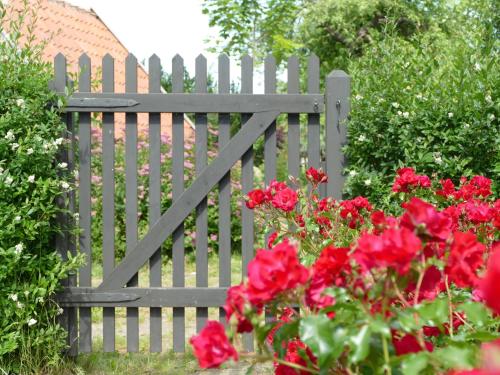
[[32, 322], [26, 293], [63, 165], [20, 102], [9, 180], [76, 174], [19, 305], [492, 117], [31, 178], [64, 185], [29, 151], [60, 311], [408, 87], [488, 98], [477, 67], [76, 215], [380, 100], [47, 146], [14, 146], [19, 248], [17, 218], [39, 300], [59, 141], [437, 158], [406, 114], [358, 97], [13, 297], [9, 136], [395, 104], [362, 138], [466, 126], [450, 114], [400, 113], [352, 173], [419, 96], [368, 182]]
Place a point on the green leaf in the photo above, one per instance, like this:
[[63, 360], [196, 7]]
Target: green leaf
[[456, 357], [413, 364], [360, 344], [325, 340], [475, 312], [434, 313], [482, 336], [283, 334]]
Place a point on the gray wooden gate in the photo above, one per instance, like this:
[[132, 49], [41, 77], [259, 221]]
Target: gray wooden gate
[[119, 286]]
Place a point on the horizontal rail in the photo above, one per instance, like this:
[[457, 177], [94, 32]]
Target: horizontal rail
[[143, 297], [195, 103]]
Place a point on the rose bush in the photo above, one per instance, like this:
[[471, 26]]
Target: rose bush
[[357, 291]]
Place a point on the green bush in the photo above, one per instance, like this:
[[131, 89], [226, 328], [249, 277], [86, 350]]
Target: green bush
[[430, 102], [31, 180]]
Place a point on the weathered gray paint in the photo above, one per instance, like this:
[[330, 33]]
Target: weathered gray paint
[[338, 86], [195, 103], [155, 327], [108, 199], [177, 190], [259, 113], [131, 198], [85, 340]]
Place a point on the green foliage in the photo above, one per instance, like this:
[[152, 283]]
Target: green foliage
[[31, 181], [430, 102]]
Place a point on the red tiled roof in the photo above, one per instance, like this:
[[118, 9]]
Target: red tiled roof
[[72, 31]]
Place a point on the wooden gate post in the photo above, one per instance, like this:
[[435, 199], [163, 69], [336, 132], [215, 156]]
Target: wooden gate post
[[338, 91]]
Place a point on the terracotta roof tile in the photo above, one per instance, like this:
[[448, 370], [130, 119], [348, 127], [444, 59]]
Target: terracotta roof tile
[[73, 31]]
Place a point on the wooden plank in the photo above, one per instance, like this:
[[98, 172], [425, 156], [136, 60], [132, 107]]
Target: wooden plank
[[247, 161], [313, 129], [195, 103], [293, 120], [338, 90], [179, 342], [108, 199], [201, 135], [64, 240], [175, 215], [144, 297], [155, 327], [85, 276], [224, 187], [270, 149], [131, 197]]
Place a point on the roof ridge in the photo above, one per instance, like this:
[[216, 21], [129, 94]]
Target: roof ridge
[[80, 9]]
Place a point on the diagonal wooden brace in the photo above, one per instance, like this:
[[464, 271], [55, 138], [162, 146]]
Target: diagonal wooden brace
[[191, 197]]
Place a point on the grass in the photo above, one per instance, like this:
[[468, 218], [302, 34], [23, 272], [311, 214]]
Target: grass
[[143, 362]]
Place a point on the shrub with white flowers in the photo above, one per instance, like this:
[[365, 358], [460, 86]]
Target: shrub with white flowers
[[30, 269]]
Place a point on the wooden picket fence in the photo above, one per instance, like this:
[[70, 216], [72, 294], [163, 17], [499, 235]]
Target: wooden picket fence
[[119, 287]]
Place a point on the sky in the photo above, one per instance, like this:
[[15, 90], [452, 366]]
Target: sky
[[164, 27]]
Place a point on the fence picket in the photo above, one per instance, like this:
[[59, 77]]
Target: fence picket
[[201, 129], [313, 128], [177, 189], [85, 341], [293, 120], [224, 187], [270, 134], [108, 199], [155, 330], [247, 216], [131, 196]]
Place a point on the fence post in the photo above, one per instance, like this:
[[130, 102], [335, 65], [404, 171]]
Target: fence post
[[338, 90]]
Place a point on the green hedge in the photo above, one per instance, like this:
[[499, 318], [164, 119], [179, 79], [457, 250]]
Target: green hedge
[[30, 269]]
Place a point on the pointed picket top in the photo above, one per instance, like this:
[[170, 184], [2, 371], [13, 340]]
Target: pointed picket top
[[154, 65], [131, 73], [270, 74], [313, 74], [177, 74], [201, 74], [177, 59], [84, 59], [293, 70], [85, 73], [200, 59], [108, 73], [246, 74], [60, 72], [224, 74]]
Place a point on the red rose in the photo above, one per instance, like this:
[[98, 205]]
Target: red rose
[[255, 198], [423, 217], [407, 179], [274, 271], [478, 186], [466, 257], [316, 176], [285, 199], [432, 284], [212, 347], [294, 351], [448, 188], [235, 305], [350, 209], [271, 240], [408, 344], [330, 263], [394, 248], [489, 284], [479, 212]]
